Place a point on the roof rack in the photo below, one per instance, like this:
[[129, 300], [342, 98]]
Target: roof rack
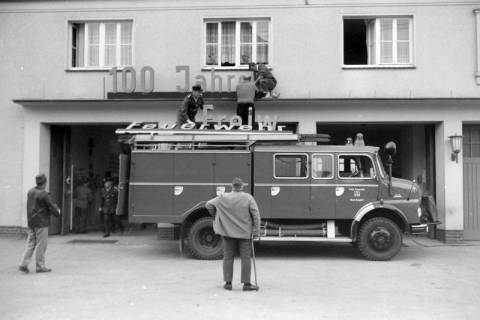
[[191, 136]]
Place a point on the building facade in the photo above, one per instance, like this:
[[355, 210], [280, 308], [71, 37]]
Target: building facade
[[407, 71]]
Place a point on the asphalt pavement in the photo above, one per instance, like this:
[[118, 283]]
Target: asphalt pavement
[[135, 276]]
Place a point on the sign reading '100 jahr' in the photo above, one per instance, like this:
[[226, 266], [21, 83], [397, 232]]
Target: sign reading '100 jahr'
[[128, 80]]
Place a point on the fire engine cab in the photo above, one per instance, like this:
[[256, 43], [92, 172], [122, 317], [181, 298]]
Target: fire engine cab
[[305, 192]]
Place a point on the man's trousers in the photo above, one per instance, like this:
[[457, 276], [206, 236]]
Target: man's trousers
[[36, 240], [230, 247]]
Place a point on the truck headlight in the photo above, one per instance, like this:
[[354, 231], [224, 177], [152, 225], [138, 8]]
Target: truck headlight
[[419, 212]]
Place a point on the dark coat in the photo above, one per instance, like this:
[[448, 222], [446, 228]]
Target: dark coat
[[189, 109], [109, 200], [39, 208]]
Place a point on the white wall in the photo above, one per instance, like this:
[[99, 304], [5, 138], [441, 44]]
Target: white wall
[[307, 60]]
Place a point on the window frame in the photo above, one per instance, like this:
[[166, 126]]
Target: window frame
[[332, 175], [307, 162], [377, 65], [238, 21], [70, 27], [373, 177]]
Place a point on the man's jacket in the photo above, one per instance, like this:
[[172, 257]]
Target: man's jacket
[[189, 109], [237, 215], [39, 208], [109, 200]]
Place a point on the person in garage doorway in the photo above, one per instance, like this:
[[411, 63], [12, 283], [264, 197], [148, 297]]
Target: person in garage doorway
[[109, 207], [237, 220]]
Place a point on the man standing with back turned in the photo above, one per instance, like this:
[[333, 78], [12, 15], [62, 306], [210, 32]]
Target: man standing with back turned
[[237, 220], [39, 208]]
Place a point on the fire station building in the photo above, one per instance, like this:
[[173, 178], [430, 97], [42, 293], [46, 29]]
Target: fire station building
[[394, 70]]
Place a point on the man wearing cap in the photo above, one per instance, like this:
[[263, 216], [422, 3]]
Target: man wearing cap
[[192, 102], [237, 220], [39, 208], [245, 99]]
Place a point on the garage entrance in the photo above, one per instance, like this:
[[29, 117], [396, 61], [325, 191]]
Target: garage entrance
[[415, 157], [471, 182], [81, 154]]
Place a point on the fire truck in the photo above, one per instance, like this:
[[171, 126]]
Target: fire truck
[[306, 192]]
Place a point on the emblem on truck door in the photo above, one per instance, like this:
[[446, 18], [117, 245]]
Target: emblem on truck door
[[275, 190], [177, 190], [339, 191]]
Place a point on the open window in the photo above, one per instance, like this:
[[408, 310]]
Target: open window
[[101, 44], [355, 167], [377, 41]]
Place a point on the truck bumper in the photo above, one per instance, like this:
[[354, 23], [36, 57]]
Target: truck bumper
[[419, 228], [422, 228]]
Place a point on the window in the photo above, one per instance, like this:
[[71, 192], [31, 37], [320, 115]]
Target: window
[[291, 166], [236, 43], [322, 166], [355, 166], [377, 41], [101, 44]]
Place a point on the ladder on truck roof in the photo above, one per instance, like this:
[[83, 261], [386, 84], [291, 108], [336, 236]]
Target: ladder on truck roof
[[158, 139]]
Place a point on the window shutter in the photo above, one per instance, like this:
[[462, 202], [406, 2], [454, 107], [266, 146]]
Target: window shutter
[[126, 43], [93, 46], [403, 41], [386, 40]]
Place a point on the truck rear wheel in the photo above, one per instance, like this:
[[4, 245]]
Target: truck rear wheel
[[202, 242], [379, 239]]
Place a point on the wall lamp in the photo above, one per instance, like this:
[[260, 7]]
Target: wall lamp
[[456, 142]]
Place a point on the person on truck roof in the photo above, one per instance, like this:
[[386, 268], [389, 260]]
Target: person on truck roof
[[237, 220], [189, 108]]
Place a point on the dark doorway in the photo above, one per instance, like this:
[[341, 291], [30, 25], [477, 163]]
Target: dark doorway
[[415, 157], [81, 154]]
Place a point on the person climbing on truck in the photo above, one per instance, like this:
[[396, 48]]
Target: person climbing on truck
[[237, 220], [189, 108]]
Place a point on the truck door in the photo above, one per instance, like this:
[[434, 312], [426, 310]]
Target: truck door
[[284, 189], [322, 186], [357, 184], [123, 175]]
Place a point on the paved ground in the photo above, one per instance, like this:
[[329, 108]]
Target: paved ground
[[140, 277]]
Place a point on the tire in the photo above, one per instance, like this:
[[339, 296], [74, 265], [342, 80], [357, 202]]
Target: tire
[[202, 241], [379, 239]]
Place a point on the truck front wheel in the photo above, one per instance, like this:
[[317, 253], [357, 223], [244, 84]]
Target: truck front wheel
[[202, 241], [379, 239]]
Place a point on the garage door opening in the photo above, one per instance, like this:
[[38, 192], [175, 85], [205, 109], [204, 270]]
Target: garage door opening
[[415, 157], [81, 154]]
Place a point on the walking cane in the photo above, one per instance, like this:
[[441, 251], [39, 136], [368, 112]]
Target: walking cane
[[254, 265]]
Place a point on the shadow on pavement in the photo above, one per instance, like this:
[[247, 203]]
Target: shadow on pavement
[[306, 250]]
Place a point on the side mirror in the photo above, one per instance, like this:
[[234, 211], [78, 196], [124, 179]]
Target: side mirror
[[391, 149]]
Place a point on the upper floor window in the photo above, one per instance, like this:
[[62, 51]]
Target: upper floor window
[[236, 43], [99, 44], [377, 41]]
